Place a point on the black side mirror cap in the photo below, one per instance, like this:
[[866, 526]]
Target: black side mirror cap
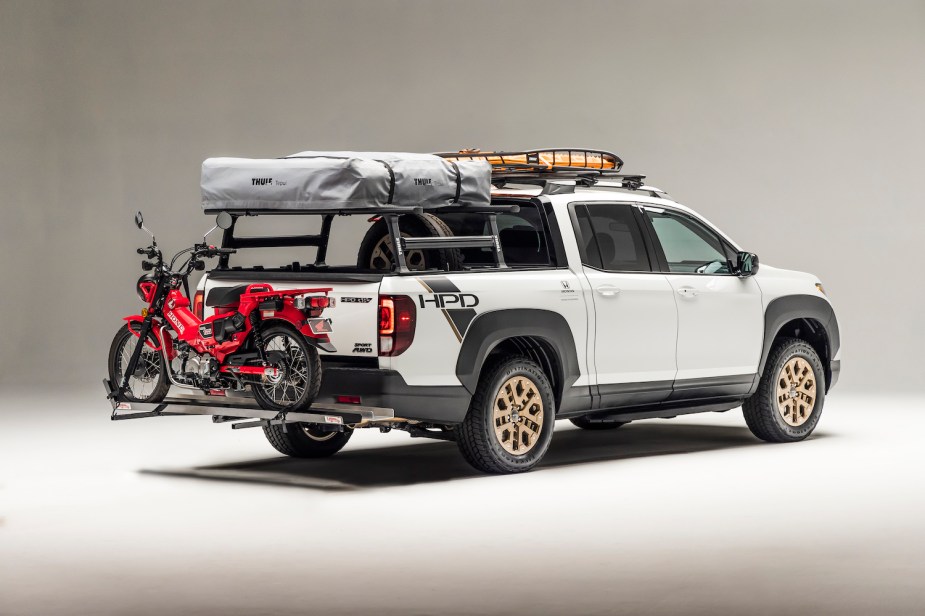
[[746, 264]]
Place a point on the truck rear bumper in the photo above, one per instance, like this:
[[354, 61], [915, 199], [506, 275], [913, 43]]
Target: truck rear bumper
[[387, 389]]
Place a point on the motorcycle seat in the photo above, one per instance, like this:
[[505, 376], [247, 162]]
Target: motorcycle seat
[[225, 296]]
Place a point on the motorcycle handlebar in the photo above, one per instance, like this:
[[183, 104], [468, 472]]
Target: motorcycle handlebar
[[212, 251]]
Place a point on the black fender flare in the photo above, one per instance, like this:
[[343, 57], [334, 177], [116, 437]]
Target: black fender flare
[[784, 309], [489, 329]]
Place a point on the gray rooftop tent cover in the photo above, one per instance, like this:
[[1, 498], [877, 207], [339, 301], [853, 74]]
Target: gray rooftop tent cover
[[319, 181]]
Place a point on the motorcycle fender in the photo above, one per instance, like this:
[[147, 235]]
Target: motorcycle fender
[[154, 337]]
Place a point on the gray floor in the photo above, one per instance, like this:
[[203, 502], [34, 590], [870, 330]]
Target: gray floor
[[178, 516]]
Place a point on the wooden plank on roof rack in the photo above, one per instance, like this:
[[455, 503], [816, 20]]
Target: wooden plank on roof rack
[[549, 159]]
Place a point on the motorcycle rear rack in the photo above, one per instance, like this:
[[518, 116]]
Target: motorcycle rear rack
[[245, 412]]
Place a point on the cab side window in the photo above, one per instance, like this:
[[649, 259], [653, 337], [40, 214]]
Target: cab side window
[[612, 238], [689, 246]]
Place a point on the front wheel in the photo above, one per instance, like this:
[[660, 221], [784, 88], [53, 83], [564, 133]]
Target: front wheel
[[149, 382], [510, 420], [790, 396], [298, 379]]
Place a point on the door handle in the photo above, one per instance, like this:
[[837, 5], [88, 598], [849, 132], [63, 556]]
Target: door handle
[[608, 290], [687, 291]]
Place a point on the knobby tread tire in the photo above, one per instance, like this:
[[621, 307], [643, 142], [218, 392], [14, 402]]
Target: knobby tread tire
[[416, 225], [475, 437], [760, 410]]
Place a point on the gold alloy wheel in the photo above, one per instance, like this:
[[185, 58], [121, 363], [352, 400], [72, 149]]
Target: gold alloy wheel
[[796, 391], [518, 415], [383, 257]]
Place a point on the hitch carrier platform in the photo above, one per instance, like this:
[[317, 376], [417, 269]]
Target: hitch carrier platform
[[246, 413]]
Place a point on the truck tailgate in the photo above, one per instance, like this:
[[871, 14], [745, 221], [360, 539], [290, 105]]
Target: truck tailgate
[[353, 316]]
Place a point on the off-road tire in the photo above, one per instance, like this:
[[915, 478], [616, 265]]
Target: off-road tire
[[412, 225], [585, 423], [761, 411], [476, 436], [115, 375], [305, 441], [313, 383]]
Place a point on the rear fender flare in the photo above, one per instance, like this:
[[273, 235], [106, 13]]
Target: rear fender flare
[[489, 329]]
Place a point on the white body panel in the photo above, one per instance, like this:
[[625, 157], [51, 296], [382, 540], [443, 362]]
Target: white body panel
[[431, 359], [635, 326], [720, 325]]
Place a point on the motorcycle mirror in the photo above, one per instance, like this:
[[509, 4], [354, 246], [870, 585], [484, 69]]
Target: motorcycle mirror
[[223, 220], [140, 223]]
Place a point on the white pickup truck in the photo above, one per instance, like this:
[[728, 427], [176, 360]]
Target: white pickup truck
[[578, 293]]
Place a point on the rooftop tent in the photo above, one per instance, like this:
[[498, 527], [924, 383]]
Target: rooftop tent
[[323, 181]]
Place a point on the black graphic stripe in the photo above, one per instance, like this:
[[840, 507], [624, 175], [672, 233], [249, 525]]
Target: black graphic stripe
[[439, 284], [461, 318]]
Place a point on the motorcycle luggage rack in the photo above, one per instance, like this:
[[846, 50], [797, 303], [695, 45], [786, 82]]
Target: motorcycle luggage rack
[[245, 412]]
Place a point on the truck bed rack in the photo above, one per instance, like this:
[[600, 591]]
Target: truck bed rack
[[245, 412]]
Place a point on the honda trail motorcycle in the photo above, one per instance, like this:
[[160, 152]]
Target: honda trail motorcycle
[[260, 338]]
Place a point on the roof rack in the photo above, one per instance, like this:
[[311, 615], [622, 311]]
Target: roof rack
[[539, 167]]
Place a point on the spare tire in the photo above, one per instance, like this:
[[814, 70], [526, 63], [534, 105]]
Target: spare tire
[[376, 248]]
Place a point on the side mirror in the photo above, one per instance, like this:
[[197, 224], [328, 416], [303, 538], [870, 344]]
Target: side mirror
[[746, 264], [139, 220], [223, 220]]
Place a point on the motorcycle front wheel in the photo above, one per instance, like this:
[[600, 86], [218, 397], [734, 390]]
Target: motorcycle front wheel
[[298, 377], [149, 381]]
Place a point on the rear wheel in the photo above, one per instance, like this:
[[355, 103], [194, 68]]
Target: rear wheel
[[511, 418], [305, 440], [789, 400], [149, 382], [298, 378]]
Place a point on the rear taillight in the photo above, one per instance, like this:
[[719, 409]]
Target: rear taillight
[[396, 324], [197, 304]]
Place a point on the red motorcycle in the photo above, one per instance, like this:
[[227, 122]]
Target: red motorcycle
[[260, 338]]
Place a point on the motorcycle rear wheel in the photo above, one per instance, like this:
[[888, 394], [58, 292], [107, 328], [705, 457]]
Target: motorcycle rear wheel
[[297, 385], [149, 383]]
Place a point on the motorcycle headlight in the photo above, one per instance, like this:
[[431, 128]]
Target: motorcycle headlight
[[145, 288]]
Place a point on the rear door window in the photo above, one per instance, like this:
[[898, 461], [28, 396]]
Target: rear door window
[[611, 239]]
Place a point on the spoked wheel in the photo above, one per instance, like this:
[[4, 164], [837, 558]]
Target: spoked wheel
[[790, 396], [518, 415], [298, 372], [796, 391], [149, 381], [383, 255], [510, 420], [377, 253]]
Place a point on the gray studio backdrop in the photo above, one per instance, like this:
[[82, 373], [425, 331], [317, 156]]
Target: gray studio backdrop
[[797, 127]]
